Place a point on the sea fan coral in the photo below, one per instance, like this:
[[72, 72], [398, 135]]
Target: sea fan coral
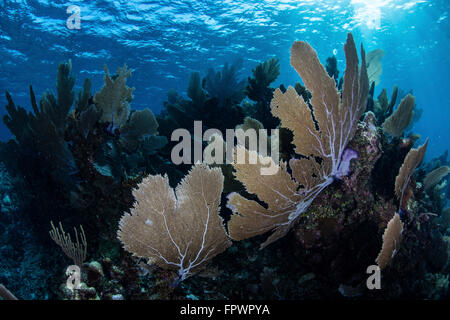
[[114, 97], [412, 160], [178, 230], [141, 123], [435, 176], [321, 130], [391, 241], [374, 65], [401, 118]]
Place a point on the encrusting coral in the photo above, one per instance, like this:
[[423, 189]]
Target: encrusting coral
[[321, 131], [179, 230]]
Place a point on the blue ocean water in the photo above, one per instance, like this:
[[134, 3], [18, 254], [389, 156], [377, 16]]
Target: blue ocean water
[[164, 41]]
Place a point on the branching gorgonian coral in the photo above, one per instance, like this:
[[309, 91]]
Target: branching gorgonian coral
[[321, 131], [76, 250]]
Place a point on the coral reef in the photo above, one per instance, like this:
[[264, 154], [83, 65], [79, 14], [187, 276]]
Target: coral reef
[[344, 189]]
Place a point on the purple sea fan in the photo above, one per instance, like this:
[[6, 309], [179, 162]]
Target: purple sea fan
[[322, 129]]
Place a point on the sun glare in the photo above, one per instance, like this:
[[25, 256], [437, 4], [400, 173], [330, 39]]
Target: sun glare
[[368, 12]]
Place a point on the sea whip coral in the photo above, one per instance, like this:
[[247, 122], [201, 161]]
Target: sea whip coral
[[321, 130]]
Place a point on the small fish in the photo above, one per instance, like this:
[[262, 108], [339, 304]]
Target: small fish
[[111, 129]]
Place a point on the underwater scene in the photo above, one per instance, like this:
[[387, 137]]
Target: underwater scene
[[224, 150]]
